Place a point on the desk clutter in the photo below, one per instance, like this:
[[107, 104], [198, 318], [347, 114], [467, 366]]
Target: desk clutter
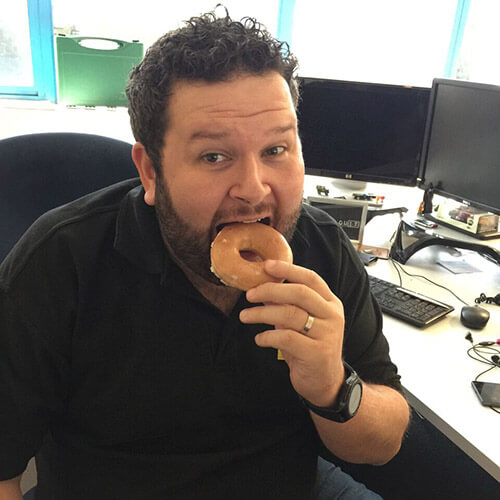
[[487, 353], [373, 200]]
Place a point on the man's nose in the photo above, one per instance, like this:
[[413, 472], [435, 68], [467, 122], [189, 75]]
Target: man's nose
[[250, 184]]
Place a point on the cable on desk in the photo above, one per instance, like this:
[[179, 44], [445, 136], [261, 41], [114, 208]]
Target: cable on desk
[[487, 353], [397, 270], [483, 354], [400, 266]]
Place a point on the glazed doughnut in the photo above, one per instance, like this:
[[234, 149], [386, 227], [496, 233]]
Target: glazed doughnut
[[236, 271]]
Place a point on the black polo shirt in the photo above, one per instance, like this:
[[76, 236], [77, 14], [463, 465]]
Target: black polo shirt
[[127, 383]]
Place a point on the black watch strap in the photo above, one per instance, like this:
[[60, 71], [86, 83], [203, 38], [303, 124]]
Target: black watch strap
[[348, 399]]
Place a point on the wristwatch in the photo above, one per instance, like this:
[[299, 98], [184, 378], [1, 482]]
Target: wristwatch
[[348, 399]]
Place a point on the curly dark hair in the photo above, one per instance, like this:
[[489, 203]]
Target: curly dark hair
[[208, 48]]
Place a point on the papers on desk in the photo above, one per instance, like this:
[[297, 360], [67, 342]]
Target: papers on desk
[[457, 266]]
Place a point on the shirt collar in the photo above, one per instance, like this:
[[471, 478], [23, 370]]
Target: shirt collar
[[299, 241], [138, 236]]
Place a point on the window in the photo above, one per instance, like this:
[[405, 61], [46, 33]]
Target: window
[[26, 50], [480, 48], [384, 41], [15, 48]]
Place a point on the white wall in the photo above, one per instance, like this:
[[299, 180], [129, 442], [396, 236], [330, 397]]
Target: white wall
[[25, 117]]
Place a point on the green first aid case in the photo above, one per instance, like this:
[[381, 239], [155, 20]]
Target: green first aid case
[[93, 76]]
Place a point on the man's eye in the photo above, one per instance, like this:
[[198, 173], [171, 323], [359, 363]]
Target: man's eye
[[213, 157], [275, 151]]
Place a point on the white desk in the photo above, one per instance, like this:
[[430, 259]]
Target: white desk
[[435, 368]]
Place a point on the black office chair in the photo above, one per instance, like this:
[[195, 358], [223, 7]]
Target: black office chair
[[41, 171]]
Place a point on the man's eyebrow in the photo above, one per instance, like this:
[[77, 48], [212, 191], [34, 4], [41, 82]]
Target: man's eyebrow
[[211, 134], [208, 134], [282, 128]]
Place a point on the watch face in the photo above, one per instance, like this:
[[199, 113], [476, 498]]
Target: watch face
[[349, 399], [354, 399]]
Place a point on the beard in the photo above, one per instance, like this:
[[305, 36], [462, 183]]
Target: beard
[[192, 246]]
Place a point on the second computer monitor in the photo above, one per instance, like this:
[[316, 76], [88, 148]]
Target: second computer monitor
[[461, 156], [362, 131]]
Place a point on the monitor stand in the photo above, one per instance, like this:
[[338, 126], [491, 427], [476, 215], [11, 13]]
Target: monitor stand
[[409, 239], [349, 185]]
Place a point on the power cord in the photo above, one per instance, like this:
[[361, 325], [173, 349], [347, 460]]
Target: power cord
[[399, 267]]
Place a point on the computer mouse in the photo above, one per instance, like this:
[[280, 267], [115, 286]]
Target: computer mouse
[[474, 317]]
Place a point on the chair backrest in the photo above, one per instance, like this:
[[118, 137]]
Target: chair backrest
[[41, 171]]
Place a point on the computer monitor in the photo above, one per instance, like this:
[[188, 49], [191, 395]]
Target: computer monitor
[[461, 155], [362, 131]]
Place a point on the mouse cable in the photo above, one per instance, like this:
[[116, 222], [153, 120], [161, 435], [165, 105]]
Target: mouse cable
[[400, 266]]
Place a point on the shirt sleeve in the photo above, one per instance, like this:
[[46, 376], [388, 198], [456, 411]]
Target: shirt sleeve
[[365, 346], [34, 365]]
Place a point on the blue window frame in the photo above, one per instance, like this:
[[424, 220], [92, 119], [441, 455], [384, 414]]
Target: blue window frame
[[285, 21], [456, 38], [42, 55]]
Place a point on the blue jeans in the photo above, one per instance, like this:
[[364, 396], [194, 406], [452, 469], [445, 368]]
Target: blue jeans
[[29, 495], [334, 484]]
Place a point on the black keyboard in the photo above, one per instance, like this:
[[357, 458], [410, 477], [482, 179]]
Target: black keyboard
[[409, 306]]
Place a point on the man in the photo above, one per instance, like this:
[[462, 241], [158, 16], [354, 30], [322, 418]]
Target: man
[[129, 369]]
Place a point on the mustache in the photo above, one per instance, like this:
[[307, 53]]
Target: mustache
[[243, 211]]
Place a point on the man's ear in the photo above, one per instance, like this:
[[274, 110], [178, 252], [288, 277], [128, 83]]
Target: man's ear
[[146, 172]]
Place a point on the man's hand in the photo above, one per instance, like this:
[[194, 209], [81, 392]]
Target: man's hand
[[315, 360], [315, 357], [11, 489]]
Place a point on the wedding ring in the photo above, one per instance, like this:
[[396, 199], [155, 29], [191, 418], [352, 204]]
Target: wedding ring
[[309, 324]]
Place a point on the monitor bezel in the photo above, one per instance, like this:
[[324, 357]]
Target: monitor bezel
[[423, 183], [380, 179]]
